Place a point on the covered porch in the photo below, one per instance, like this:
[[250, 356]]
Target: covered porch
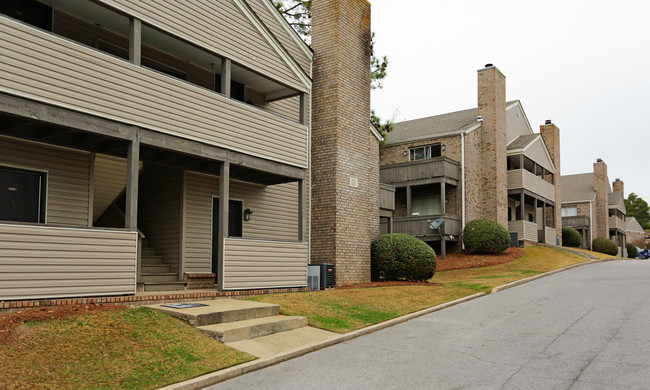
[[531, 218]]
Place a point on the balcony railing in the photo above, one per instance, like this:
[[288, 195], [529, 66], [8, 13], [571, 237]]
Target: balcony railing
[[386, 197], [617, 223], [527, 230], [421, 169], [521, 178], [418, 226], [579, 221]]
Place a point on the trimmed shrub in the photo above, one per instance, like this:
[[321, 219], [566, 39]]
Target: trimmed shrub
[[399, 256], [631, 250], [485, 236], [571, 237], [605, 245]]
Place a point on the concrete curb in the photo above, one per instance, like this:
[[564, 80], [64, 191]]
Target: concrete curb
[[530, 279], [233, 372]]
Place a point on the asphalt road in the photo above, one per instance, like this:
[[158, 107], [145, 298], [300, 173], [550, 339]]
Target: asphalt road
[[586, 328]]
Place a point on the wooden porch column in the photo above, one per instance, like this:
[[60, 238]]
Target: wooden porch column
[[304, 104], [523, 207], [224, 206], [443, 197], [226, 65], [302, 210], [135, 41], [132, 168], [408, 201]]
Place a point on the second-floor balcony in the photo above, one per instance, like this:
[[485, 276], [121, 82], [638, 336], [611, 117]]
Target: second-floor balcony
[[521, 178], [617, 223], [420, 170], [578, 221], [417, 226]]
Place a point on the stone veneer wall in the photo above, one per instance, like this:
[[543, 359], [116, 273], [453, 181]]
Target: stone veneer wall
[[601, 207], [551, 135], [345, 156], [493, 198]]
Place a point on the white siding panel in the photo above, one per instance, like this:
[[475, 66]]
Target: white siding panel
[[51, 69], [218, 26], [68, 177], [254, 264], [48, 262], [516, 124]]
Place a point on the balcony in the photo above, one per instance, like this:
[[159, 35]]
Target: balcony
[[527, 230], [386, 197], [617, 223], [418, 226], [521, 178], [437, 167], [40, 66], [579, 221]]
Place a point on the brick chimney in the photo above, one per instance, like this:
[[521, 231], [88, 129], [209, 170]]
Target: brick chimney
[[345, 156], [493, 202], [551, 135], [601, 209], [618, 186]]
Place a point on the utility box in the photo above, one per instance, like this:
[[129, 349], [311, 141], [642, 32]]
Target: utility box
[[327, 276], [313, 276]]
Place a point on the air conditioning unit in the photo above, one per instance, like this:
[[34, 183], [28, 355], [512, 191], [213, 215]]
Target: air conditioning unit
[[327, 276], [313, 276]]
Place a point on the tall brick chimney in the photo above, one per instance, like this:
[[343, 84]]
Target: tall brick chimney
[[551, 135], [492, 108], [601, 212], [618, 186], [345, 157]]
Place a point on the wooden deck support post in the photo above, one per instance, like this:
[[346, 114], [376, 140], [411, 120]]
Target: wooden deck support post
[[135, 41], [224, 206], [226, 72]]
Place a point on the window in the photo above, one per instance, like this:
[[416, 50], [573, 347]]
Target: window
[[22, 195], [424, 152], [570, 211]]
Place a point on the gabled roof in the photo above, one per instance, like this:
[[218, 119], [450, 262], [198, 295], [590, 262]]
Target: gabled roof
[[634, 226], [615, 200], [522, 141], [443, 125], [577, 188]]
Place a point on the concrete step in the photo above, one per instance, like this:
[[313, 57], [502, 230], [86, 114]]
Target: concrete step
[[250, 329], [222, 311], [152, 260], [159, 277], [164, 286], [154, 269], [148, 252], [283, 342]]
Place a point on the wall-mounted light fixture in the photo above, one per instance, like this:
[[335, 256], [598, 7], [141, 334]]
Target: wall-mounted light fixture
[[405, 152], [248, 215], [444, 147]]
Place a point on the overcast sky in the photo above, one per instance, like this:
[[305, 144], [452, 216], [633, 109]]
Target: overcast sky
[[583, 64]]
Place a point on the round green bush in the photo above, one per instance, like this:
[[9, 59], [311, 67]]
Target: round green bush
[[571, 237], [605, 245], [631, 250], [399, 256], [485, 236]]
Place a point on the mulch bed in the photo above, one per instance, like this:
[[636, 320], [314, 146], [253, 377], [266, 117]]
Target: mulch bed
[[9, 322], [464, 261]]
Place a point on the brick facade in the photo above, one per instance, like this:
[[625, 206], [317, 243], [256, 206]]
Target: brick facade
[[551, 135], [345, 156], [393, 154], [618, 186], [601, 207], [493, 199]]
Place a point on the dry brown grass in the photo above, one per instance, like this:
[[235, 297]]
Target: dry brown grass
[[125, 349], [597, 254]]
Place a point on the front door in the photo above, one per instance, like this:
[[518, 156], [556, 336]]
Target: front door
[[235, 226], [21, 195]]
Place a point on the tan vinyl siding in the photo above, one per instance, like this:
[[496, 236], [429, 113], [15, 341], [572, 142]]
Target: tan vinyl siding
[[159, 212], [43, 261], [263, 264], [516, 124], [218, 26], [275, 215], [550, 235], [521, 178], [51, 69], [282, 35], [537, 153], [68, 177], [527, 230], [288, 108], [109, 182]]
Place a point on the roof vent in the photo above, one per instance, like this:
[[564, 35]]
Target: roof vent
[[548, 122], [488, 65], [479, 118], [617, 179], [599, 160]]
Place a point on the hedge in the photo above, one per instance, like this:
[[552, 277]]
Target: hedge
[[485, 236], [571, 237], [605, 245], [399, 256]]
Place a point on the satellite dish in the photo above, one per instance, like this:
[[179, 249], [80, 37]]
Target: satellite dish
[[435, 225]]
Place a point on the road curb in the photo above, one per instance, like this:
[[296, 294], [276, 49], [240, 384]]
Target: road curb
[[233, 372], [530, 279]]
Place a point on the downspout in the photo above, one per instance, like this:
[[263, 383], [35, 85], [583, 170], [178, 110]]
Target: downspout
[[462, 170], [591, 229]]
